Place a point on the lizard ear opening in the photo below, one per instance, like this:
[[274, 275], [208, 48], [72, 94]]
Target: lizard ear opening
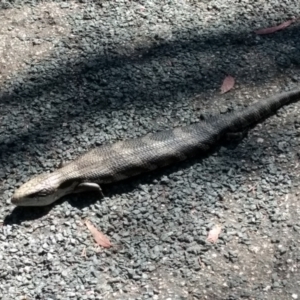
[[66, 184]]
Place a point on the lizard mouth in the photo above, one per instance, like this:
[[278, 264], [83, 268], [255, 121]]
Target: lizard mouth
[[33, 201]]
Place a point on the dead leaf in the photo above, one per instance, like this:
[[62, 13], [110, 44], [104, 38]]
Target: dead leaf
[[274, 28], [83, 253], [101, 239], [213, 234], [227, 84], [201, 263]]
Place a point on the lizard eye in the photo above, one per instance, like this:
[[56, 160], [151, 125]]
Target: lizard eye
[[38, 194]]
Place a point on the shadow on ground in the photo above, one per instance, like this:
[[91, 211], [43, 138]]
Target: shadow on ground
[[112, 81]]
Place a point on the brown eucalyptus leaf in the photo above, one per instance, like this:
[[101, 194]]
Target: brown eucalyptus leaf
[[274, 28], [214, 233], [101, 239], [228, 84]]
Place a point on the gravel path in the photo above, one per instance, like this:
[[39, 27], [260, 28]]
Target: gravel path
[[74, 75]]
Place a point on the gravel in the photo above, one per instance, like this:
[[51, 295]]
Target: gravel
[[78, 74]]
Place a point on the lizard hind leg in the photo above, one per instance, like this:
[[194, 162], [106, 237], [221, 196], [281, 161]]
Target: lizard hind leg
[[233, 139], [236, 136]]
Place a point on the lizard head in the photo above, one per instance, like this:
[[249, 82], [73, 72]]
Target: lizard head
[[42, 190]]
